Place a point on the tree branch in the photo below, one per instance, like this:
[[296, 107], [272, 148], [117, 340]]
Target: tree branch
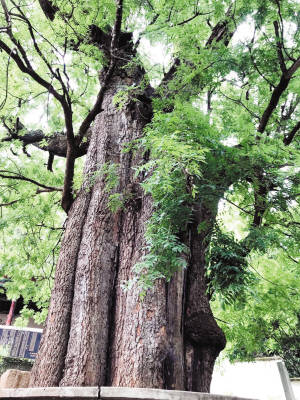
[[113, 48], [117, 27], [23, 17], [27, 70], [235, 205], [279, 48], [172, 71], [52, 228], [277, 92], [292, 108], [281, 30], [262, 186], [9, 203], [14, 175], [285, 78], [197, 14], [65, 101], [67, 197], [293, 68], [48, 8], [219, 32], [289, 138], [254, 63], [55, 144], [236, 101]]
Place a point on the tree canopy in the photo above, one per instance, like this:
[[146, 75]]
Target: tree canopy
[[225, 127], [261, 318]]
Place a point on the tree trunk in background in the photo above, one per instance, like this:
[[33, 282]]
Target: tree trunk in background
[[96, 333]]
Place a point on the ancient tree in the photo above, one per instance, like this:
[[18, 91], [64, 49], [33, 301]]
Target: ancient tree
[[130, 304]]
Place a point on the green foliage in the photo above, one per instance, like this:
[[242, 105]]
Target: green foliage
[[268, 323], [31, 230], [228, 273], [263, 318], [121, 98], [115, 202], [177, 155], [109, 171]]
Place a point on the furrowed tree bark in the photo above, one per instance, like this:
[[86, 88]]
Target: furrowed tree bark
[[96, 332], [204, 338]]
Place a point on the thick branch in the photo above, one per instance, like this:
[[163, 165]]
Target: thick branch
[[117, 27], [172, 71], [260, 205], [289, 138], [113, 48], [293, 105], [48, 8], [95, 110], [293, 68], [67, 196], [55, 144], [277, 92], [220, 31], [50, 161]]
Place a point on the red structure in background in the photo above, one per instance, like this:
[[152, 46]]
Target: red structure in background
[[11, 313]]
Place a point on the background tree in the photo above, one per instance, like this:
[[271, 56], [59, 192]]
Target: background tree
[[262, 317], [130, 305]]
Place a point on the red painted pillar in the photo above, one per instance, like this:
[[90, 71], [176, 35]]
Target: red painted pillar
[[11, 313]]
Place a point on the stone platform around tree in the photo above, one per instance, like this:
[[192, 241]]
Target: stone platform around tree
[[106, 393]]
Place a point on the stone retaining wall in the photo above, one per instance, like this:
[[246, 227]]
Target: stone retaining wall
[[105, 393]]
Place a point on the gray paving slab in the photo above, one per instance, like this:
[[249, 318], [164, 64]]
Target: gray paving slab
[[119, 393], [51, 393], [106, 393]]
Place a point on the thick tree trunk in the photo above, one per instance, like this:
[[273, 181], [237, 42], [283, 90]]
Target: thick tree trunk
[[97, 333], [204, 338]]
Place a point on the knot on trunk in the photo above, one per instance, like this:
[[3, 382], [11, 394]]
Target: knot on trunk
[[202, 329], [102, 39], [133, 196]]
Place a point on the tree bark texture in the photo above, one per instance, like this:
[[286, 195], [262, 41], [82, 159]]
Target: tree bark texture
[[96, 332]]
